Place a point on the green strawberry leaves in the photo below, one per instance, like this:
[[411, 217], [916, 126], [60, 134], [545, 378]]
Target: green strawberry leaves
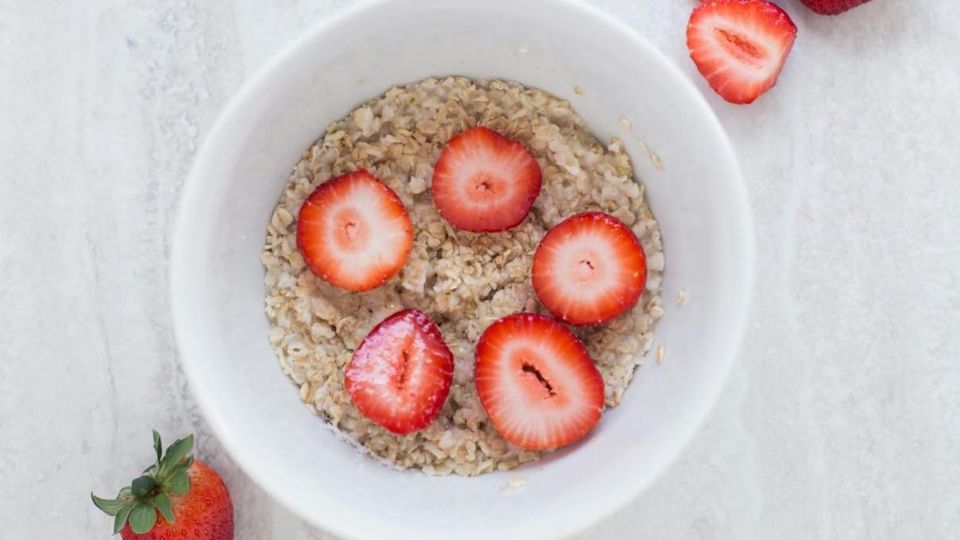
[[179, 483], [149, 494], [162, 503], [121, 518], [157, 446], [143, 485], [111, 507], [176, 452], [142, 518]]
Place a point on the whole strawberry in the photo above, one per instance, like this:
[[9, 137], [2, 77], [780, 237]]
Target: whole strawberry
[[191, 499], [832, 7]]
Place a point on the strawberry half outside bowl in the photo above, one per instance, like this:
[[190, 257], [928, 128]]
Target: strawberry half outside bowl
[[217, 290]]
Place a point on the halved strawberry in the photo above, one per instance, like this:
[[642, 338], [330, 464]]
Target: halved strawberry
[[832, 7], [485, 182], [537, 382], [740, 46], [354, 232], [589, 269], [400, 374]]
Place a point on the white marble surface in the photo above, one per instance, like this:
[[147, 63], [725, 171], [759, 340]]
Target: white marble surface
[[842, 419]]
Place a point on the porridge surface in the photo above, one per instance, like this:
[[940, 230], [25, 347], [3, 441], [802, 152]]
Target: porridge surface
[[463, 280]]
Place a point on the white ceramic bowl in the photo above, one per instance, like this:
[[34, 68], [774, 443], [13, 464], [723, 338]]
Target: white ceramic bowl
[[217, 279]]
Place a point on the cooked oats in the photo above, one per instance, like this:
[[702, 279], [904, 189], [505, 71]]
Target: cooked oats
[[463, 280], [515, 482], [655, 159]]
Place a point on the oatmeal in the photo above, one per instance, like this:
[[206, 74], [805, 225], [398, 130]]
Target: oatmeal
[[463, 280]]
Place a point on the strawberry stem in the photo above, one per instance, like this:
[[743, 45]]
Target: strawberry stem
[[149, 494]]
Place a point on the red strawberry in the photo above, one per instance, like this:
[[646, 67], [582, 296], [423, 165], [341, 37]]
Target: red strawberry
[[589, 269], [354, 232], [485, 182], [537, 382], [740, 46], [190, 498], [400, 374], [832, 7]]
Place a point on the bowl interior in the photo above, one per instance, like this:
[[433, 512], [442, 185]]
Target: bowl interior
[[217, 279]]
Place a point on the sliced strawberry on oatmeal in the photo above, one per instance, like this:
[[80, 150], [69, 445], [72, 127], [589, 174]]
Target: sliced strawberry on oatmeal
[[485, 182], [537, 382], [589, 269], [354, 232], [401, 373], [740, 46]]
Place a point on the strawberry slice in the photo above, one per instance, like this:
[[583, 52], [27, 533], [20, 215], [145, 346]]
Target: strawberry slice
[[537, 382], [740, 46], [832, 7], [485, 182], [400, 374], [354, 232], [589, 269]]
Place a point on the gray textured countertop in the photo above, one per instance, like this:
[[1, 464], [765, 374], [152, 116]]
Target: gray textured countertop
[[841, 420]]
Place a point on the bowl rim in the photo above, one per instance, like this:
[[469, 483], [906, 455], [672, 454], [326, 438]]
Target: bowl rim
[[262, 77]]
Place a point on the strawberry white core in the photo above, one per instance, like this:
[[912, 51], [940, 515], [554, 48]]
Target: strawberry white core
[[744, 50]]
